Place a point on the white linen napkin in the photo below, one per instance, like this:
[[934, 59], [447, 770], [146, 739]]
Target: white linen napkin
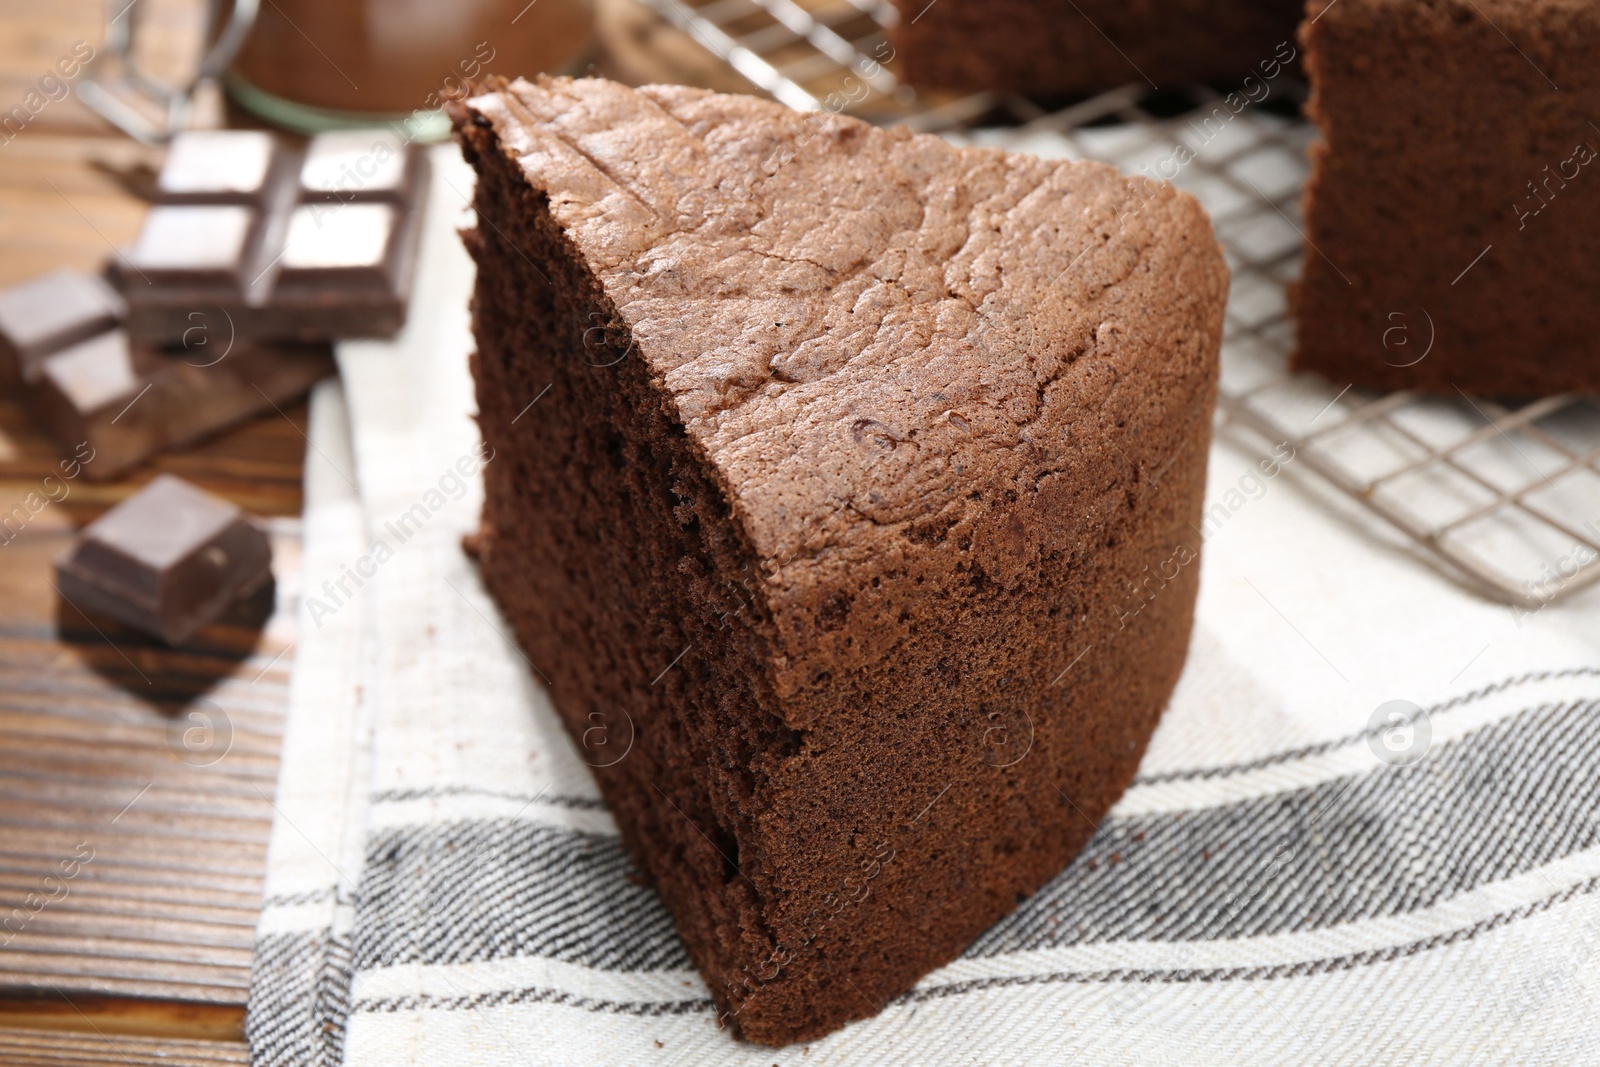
[[1294, 877]]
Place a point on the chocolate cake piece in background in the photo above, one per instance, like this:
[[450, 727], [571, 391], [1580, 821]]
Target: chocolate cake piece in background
[[1068, 47], [1453, 210], [860, 457]]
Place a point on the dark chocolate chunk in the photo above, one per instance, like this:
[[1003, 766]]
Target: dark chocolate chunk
[[89, 385], [92, 393], [167, 560], [284, 246], [49, 312], [128, 401]]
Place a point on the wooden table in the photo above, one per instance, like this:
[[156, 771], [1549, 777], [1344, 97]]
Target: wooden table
[[142, 955]]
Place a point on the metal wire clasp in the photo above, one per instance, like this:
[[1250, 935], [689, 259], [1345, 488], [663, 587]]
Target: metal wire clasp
[[118, 90]]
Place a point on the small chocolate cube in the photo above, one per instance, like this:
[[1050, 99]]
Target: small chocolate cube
[[127, 401], [96, 373], [48, 313], [167, 560]]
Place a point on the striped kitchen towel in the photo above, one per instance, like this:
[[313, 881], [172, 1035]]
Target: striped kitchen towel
[[1365, 832]]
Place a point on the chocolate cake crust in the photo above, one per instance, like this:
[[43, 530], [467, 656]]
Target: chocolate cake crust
[[855, 448]]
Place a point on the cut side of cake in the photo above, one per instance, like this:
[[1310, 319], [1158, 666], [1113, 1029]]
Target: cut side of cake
[[855, 524], [1048, 47], [1453, 207]]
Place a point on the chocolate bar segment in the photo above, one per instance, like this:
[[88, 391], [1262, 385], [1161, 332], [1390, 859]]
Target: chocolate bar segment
[[295, 247], [48, 313], [90, 385], [215, 166], [201, 248], [167, 560], [349, 247], [354, 165], [90, 394]]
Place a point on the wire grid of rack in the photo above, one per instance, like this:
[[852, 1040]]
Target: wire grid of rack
[[1503, 498]]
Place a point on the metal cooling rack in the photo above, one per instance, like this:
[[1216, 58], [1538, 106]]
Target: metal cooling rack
[[1505, 500]]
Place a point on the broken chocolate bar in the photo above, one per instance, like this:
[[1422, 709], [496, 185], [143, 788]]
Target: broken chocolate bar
[[49, 313], [275, 244], [167, 560], [89, 385], [129, 401]]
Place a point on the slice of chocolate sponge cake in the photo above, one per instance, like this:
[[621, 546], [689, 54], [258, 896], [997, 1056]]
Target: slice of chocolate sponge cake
[[855, 524]]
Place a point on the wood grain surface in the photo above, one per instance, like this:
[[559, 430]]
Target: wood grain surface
[[135, 792], [136, 781], [53, 1048], [131, 853]]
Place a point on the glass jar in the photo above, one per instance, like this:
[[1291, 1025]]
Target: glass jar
[[313, 65]]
